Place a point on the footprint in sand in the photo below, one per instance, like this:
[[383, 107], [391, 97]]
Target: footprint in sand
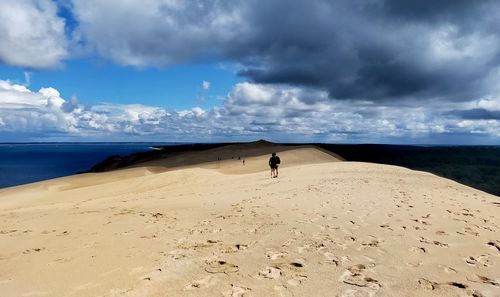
[[481, 260], [448, 288], [202, 283], [350, 238], [237, 291], [386, 227], [329, 228], [233, 248], [157, 215], [427, 284], [252, 231], [64, 233], [296, 232], [288, 242], [434, 242], [355, 276], [442, 233], [297, 280], [299, 263], [7, 231], [34, 250], [336, 260], [484, 280], [431, 285], [270, 272], [274, 255], [494, 244], [418, 249], [177, 254], [220, 266], [48, 231], [448, 269], [292, 268], [414, 264], [371, 243], [421, 222], [469, 230]]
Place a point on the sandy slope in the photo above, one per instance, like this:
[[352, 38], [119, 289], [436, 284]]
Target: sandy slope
[[227, 159], [324, 228]]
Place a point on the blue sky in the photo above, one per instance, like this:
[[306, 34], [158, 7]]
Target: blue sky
[[178, 87], [382, 71]]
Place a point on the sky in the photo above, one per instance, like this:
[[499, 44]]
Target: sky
[[367, 71]]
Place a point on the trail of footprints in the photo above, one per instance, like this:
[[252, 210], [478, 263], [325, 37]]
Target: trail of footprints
[[284, 270], [281, 269]]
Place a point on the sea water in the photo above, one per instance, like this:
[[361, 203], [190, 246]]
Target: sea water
[[22, 163]]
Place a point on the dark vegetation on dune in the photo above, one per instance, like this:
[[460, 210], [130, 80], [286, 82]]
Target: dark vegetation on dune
[[475, 166], [117, 162]]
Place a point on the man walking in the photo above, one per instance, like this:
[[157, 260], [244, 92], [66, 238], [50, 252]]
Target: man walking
[[274, 162]]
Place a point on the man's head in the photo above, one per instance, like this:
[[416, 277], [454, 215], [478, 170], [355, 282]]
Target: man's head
[[273, 154]]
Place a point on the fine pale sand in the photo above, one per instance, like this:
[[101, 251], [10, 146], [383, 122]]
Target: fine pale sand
[[194, 226]]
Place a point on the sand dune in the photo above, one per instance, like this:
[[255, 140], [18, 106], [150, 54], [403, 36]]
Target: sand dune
[[229, 159], [176, 227]]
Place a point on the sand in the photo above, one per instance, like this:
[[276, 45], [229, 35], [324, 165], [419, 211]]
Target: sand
[[218, 228]]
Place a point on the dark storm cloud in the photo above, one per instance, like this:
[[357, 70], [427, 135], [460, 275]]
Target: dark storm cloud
[[373, 50], [475, 114], [377, 50], [431, 10]]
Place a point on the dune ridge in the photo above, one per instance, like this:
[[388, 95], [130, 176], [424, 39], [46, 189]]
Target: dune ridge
[[193, 225], [227, 158]]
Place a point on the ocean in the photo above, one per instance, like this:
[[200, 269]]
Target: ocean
[[22, 163]]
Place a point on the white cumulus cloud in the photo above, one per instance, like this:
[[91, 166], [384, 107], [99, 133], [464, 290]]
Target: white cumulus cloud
[[250, 111], [31, 34]]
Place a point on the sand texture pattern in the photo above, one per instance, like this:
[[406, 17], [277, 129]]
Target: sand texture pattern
[[221, 228]]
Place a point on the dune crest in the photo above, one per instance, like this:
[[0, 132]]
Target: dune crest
[[229, 158], [220, 228]]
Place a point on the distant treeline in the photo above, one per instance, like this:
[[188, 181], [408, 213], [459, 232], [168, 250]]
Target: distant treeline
[[475, 166], [116, 161]]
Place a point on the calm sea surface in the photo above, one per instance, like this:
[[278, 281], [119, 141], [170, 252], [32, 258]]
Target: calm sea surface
[[27, 163]]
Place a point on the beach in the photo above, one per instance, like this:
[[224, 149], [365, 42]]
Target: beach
[[205, 224]]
